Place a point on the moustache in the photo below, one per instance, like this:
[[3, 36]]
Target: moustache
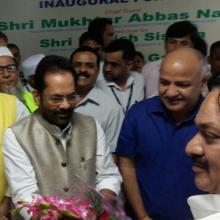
[[173, 98], [64, 111], [200, 162], [83, 74]]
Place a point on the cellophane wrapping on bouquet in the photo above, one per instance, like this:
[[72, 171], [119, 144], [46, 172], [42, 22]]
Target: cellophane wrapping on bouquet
[[85, 204]]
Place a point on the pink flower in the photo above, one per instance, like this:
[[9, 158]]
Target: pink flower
[[91, 206]]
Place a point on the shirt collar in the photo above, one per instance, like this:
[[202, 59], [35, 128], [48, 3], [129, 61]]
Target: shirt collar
[[159, 108], [66, 130], [204, 205], [91, 97], [130, 81]]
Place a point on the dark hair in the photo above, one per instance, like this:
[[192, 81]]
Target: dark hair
[[97, 28], [87, 36], [213, 46], [138, 53], [124, 45], [4, 36], [11, 45], [213, 81], [86, 49], [181, 29], [186, 28], [200, 45], [50, 64]]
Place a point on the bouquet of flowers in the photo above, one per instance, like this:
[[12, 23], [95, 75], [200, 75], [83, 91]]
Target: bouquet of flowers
[[88, 205]]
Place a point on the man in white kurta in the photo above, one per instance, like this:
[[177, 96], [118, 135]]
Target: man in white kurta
[[45, 151]]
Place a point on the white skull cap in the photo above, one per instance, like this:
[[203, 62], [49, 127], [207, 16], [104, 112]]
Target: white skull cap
[[4, 51], [29, 65]]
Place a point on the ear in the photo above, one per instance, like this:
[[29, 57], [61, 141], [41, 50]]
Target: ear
[[205, 78], [209, 59], [36, 96], [130, 64], [204, 83]]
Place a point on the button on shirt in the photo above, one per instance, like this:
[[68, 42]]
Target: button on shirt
[[164, 171], [101, 106]]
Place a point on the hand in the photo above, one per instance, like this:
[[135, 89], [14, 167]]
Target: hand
[[109, 195], [147, 217], [5, 208]]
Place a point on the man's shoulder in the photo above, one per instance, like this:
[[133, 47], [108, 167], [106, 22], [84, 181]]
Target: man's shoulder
[[152, 65], [145, 105], [102, 98], [138, 81], [24, 121], [83, 123], [101, 82], [137, 76], [81, 118], [8, 99], [4, 95]]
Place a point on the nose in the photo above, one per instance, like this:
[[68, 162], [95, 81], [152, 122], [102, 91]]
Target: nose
[[195, 146], [171, 91], [107, 67], [65, 104], [81, 68], [178, 45], [5, 73]]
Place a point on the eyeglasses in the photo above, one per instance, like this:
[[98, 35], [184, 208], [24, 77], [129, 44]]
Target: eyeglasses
[[12, 68], [57, 100]]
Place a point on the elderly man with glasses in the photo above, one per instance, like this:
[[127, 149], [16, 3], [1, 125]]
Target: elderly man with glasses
[[9, 79]]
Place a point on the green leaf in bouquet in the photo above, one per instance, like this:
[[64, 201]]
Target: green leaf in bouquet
[[69, 215], [96, 201], [45, 206], [112, 217], [15, 211]]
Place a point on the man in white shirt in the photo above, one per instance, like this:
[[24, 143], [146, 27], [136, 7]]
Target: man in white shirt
[[90, 99], [44, 152], [11, 110], [204, 148], [179, 34], [124, 86]]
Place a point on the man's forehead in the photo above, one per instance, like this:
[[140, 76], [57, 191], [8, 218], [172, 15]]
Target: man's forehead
[[114, 55], [83, 54], [85, 58], [3, 42], [109, 28], [58, 74], [210, 109], [216, 51], [187, 37], [4, 59]]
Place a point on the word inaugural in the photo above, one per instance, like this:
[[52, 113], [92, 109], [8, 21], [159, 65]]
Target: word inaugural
[[70, 3]]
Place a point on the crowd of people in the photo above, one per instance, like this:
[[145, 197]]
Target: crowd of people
[[146, 132]]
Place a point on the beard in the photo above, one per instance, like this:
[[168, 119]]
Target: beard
[[14, 91]]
